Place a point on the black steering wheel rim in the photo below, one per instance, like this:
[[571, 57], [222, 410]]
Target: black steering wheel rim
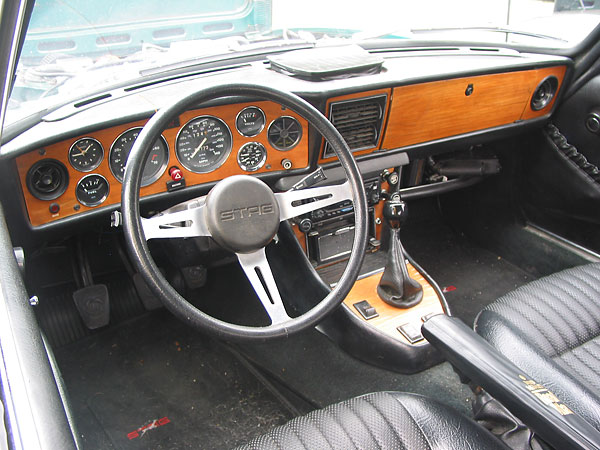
[[138, 248]]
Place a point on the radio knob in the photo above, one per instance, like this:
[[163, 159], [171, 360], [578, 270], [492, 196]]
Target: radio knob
[[318, 214], [305, 225]]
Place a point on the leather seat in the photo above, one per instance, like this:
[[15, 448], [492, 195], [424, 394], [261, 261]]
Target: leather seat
[[550, 328], [379, 421]]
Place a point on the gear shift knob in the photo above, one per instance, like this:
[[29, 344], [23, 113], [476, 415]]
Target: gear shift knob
[[395, 211], [396, 287]]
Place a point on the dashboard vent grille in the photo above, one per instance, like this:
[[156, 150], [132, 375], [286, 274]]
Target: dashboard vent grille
[[358, 121], [47, 179]]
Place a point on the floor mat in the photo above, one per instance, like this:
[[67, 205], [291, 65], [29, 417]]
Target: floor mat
[[154, 383], [310, 364], [471, 276]]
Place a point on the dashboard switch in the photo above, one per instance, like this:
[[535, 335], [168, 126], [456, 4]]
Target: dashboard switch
[[366, 310], [411, 332], [176, 173], [54, 208]]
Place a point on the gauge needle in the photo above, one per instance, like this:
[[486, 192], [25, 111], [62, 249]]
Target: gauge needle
[[198, 148], [83, 152]]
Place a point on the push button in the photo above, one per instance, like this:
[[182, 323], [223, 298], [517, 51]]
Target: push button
[[366, 310], [176, 173], [411, 332]]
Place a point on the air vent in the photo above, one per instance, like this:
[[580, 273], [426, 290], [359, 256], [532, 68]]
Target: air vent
[[358, 121], [47, 179], [544, 93], [284, 133]]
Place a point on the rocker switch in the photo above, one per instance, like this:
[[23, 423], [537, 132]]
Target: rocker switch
[[366, 310], [411, 332]]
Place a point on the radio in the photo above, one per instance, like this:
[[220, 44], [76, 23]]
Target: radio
[[330, 231]]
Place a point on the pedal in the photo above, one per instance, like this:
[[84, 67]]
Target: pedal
[[93, 305], [147, 297], [194, 276]]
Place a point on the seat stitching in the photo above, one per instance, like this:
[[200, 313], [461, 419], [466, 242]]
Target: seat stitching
[[311, 418], [291, 428], [581, 303], [575, 367], [386, 420], [584, 362], [365, 424], [425, 436], [350, 437], [559, 316], [590, 298], [540, 330], [531, 307]]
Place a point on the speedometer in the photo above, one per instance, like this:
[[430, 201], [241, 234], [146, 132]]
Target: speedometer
[[203, 144], [156, 161]]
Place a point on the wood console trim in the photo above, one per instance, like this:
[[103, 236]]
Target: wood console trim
[[359, 95], [390, 317], [39, 212], [428, 111]]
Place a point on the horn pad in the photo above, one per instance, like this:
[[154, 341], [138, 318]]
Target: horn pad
[[242, 214]]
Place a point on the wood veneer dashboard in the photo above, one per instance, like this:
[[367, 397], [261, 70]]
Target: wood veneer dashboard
[[425, 112], [40, 213], [410, 114]]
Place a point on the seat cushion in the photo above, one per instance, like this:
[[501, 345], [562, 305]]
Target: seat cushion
[[379, 421], [550, 328]]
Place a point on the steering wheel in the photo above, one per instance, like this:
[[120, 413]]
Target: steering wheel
[[242, 214]]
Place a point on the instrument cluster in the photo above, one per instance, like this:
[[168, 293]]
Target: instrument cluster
[[204, 145]]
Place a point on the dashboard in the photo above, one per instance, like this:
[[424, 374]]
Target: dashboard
[[84, 172], [72, 162]]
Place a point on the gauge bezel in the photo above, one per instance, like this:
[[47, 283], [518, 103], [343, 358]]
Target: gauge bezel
[[102, 200], [158, 174], [260, 164], [92, 167], [261, 128], [297, 140], [211, 168]]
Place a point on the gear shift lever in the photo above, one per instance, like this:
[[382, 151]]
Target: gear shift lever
[[396, 287]]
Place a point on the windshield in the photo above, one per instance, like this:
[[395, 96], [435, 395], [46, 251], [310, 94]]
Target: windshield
[[75, 47]]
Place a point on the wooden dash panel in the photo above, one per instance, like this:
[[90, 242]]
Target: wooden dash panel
[[390, 318], [440, 109], [38, 210]]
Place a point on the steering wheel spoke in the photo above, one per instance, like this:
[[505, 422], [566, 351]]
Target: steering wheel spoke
[[190, 222], [296, 203], [257, 269]]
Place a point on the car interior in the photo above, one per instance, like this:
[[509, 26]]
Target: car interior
[[383, 244]]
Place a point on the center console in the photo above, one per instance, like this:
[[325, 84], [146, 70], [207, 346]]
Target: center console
[[367, 326], [329, 232]]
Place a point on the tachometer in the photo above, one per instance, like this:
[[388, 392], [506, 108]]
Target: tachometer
[[203, 144], [156, 162]]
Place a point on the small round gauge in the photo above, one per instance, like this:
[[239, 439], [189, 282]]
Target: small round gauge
[[86, 154], [252, 156], [156, 162], [203, 144], [284, 133], [92, 190], [250, 121]]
